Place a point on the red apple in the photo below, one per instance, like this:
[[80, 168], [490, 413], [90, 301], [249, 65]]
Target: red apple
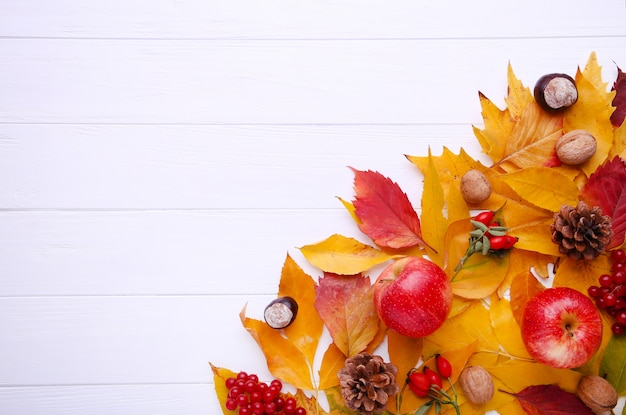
[[413, 296], [561, 327]]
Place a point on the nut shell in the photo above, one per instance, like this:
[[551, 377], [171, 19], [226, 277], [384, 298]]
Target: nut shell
[[597, 393], [477, 384], [281, 312], [576, 147], [555, 92], [475, 187]]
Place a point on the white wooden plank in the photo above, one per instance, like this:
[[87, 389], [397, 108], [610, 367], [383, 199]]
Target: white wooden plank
[[267, 82], [207, 167], [149, 399], [157, 252], [310, 19], [122, 340]]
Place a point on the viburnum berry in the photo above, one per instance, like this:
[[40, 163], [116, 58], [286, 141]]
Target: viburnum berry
[[443, 366]]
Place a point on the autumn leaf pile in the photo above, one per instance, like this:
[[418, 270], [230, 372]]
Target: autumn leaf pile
[[529, 186]]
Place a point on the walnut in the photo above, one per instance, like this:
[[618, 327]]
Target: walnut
[[576, 147], [597, 393], [475, 187], [477, 384]]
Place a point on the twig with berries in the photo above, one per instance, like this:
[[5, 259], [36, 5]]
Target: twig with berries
[[428, 383], [488, 237]]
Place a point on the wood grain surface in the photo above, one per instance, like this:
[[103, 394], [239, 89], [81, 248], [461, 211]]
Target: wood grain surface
[[159, 159]]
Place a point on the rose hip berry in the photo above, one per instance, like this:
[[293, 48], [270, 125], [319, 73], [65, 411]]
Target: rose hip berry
[[443, 366]]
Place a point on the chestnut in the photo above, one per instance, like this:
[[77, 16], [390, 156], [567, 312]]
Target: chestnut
[[281, 312], [556, 92]]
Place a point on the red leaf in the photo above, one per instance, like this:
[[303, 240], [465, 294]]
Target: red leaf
[[619, 101], [550, 400], [606, 188], [385, 212], [346, 305]]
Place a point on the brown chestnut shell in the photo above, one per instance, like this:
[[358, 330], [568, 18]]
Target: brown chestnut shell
[[281, 312], [556, 92]]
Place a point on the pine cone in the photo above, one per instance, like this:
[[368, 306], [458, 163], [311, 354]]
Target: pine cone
[[580, 232], [367, 382]]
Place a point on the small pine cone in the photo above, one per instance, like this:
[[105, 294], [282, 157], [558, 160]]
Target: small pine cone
[[580, 232], [367, 382]]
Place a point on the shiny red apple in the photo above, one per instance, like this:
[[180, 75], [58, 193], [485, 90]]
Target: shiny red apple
[[413, 296], [561, 327]]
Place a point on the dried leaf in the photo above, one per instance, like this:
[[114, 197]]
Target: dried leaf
[[506, 327], [405, 352], [613, 364], [523, 287], [580, 274], [434, 224], [532, 141], [592, 112], [462, 330], [519, 97], [344, 256], [385, 212], [284, 360], [551, 400], [544, 187], [220, 375], [346, 305], [498, 124], [619, 101], [290, 352], [307, 328], [332, 361], [606, 188]]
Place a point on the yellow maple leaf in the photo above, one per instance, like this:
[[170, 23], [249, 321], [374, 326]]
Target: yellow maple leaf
[[543, 187], [343, 255], [532, 141], [519, 97], [498, 124], [592, 112]]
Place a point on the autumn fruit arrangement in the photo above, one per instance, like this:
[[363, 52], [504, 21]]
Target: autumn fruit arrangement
[[507, 293]]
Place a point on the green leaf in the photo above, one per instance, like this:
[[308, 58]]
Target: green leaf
[[613, 363]]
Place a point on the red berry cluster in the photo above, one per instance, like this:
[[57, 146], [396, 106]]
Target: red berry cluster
[[494, 233], [488, 237], [422, 383], [611, 294], [252, 397], [428, 383]]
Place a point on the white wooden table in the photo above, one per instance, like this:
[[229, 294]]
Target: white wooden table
[[158, 159]]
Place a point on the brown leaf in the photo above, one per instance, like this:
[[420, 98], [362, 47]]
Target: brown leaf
[[385, 212], [550, 400], [619, 101], [606, 188], [346, 305]]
